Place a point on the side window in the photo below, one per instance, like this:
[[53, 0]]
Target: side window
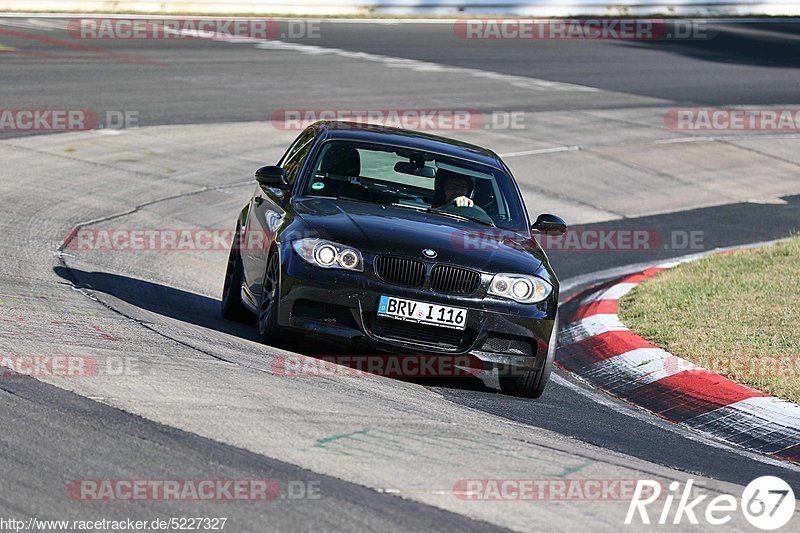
[[295, 162], [293, 159]]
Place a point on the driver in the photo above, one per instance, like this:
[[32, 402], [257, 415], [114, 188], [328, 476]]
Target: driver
[[455, 188]]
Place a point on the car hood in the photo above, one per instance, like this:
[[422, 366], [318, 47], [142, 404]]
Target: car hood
[[386, 229]]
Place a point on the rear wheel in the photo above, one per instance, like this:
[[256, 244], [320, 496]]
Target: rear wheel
[[531, 383], [232, 306], [268, 310]]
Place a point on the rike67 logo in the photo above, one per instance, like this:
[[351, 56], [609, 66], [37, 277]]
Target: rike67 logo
[[767, 502]]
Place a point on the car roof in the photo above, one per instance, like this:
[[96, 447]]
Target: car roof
[[408, 139]]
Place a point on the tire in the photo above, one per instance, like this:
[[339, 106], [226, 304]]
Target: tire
[[232, 306], [531, 383], [268, 308]]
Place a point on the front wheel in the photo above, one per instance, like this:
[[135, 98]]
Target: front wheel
[[268, 310], [531, 383]]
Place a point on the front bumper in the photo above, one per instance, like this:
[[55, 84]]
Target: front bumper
[[342, 305]]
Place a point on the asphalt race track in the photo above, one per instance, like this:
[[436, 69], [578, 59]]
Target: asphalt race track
[[204, 400]]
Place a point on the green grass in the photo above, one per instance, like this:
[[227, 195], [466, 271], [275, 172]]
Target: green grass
[[737, 314]]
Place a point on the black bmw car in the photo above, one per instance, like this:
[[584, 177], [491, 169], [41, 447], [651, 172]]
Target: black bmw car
[[400, 241]]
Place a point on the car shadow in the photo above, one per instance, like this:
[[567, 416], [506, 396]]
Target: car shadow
[[160, 299], [767, 44], [204, 311], [671, 235]]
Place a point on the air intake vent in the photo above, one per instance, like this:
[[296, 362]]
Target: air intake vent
[[454, 280], [508, 345], [422, 335], [400, 271]]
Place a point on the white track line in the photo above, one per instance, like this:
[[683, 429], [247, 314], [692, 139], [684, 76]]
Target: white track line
[[522, 82]]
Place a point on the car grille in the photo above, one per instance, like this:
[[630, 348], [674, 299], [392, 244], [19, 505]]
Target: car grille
[[400, 271], [454, 280], [507, 345], [417, 334]]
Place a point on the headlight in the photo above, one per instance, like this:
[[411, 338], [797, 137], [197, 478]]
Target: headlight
[[520, 288], [328, 254]]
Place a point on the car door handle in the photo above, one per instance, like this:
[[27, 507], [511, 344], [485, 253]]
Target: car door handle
[[258, 200]]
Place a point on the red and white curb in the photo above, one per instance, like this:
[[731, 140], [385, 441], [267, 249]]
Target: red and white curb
[[595, 345]]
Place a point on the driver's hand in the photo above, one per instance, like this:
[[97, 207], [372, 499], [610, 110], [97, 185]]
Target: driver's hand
[[463, 201]]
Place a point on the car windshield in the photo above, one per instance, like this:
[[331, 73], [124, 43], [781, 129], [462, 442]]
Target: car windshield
[[404, 177]]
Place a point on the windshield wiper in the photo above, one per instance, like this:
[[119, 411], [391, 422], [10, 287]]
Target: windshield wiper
[[417, 207], [351, 199], [446, 214], [462, 217]]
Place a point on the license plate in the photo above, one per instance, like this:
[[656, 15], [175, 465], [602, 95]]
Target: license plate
[[420, 312]]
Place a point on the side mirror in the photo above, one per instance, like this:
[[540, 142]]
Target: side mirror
[[549, 224], [272, 176]]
